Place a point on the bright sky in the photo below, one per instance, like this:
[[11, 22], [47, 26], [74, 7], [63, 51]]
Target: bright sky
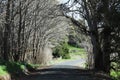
[[62, 1]]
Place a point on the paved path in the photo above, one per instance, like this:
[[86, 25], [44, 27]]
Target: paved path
[[71, 64]]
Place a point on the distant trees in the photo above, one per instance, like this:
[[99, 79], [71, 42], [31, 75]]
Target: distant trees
[[49, 28], [101, 22], [28, 27]]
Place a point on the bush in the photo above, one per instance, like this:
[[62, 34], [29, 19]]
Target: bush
[[115, 74], [62, 51], [56, 52], [115, 71], [15, 67]]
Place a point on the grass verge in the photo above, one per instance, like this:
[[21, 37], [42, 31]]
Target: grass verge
[[15, 68]]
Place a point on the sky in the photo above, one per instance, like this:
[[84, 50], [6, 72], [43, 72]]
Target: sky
[[76, 16], [62, 1]]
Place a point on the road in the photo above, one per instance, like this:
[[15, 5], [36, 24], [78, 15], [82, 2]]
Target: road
[[79, 63], [68, 70]]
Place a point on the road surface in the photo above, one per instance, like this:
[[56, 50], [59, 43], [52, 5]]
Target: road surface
[[69, 70], [79, 63]]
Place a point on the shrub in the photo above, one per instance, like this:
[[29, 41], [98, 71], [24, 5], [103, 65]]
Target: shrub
[[115, 74], [62, 51], [115, 71], [15, 67], [56, 52]]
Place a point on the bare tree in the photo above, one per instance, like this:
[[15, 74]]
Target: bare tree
[[49, 28], [30, 27]]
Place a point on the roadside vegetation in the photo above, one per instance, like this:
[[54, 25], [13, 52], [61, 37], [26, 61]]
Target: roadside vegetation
[[3, 70], [30, 29], [15, 69], [115, 71], [115, 74], [68, 53], [62, 53]]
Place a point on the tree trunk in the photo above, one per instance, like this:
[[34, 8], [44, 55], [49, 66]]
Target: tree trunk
[[98, 61], [106, 49], [98, 55], [106, 37], [18, 55], [6, 34]]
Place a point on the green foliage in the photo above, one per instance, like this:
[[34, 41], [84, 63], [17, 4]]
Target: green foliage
[[62, 51], [3, 70], [31, 67], [56, 52], [11, 67], [76, 50], [115, 72], [15, 67]]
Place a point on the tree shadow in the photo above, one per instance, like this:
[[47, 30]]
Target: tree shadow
[[73, 73]]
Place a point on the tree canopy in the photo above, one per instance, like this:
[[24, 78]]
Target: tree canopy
[[102, 25]]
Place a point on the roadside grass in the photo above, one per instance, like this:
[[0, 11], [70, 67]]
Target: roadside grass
[[3, 70], [72, 48], [19, 67], [15, 68], [77, 53], [11, 67]]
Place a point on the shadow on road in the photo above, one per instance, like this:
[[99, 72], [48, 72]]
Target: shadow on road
[[64, 74]]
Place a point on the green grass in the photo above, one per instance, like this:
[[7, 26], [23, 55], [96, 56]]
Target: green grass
[[75, 53], [18, 67], [3, 70], [75, 50], [11, 67], [15, 67]]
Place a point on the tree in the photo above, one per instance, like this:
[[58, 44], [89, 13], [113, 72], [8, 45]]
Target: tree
[[87, 13], [30, 26], [45, 17], [97, 15]]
